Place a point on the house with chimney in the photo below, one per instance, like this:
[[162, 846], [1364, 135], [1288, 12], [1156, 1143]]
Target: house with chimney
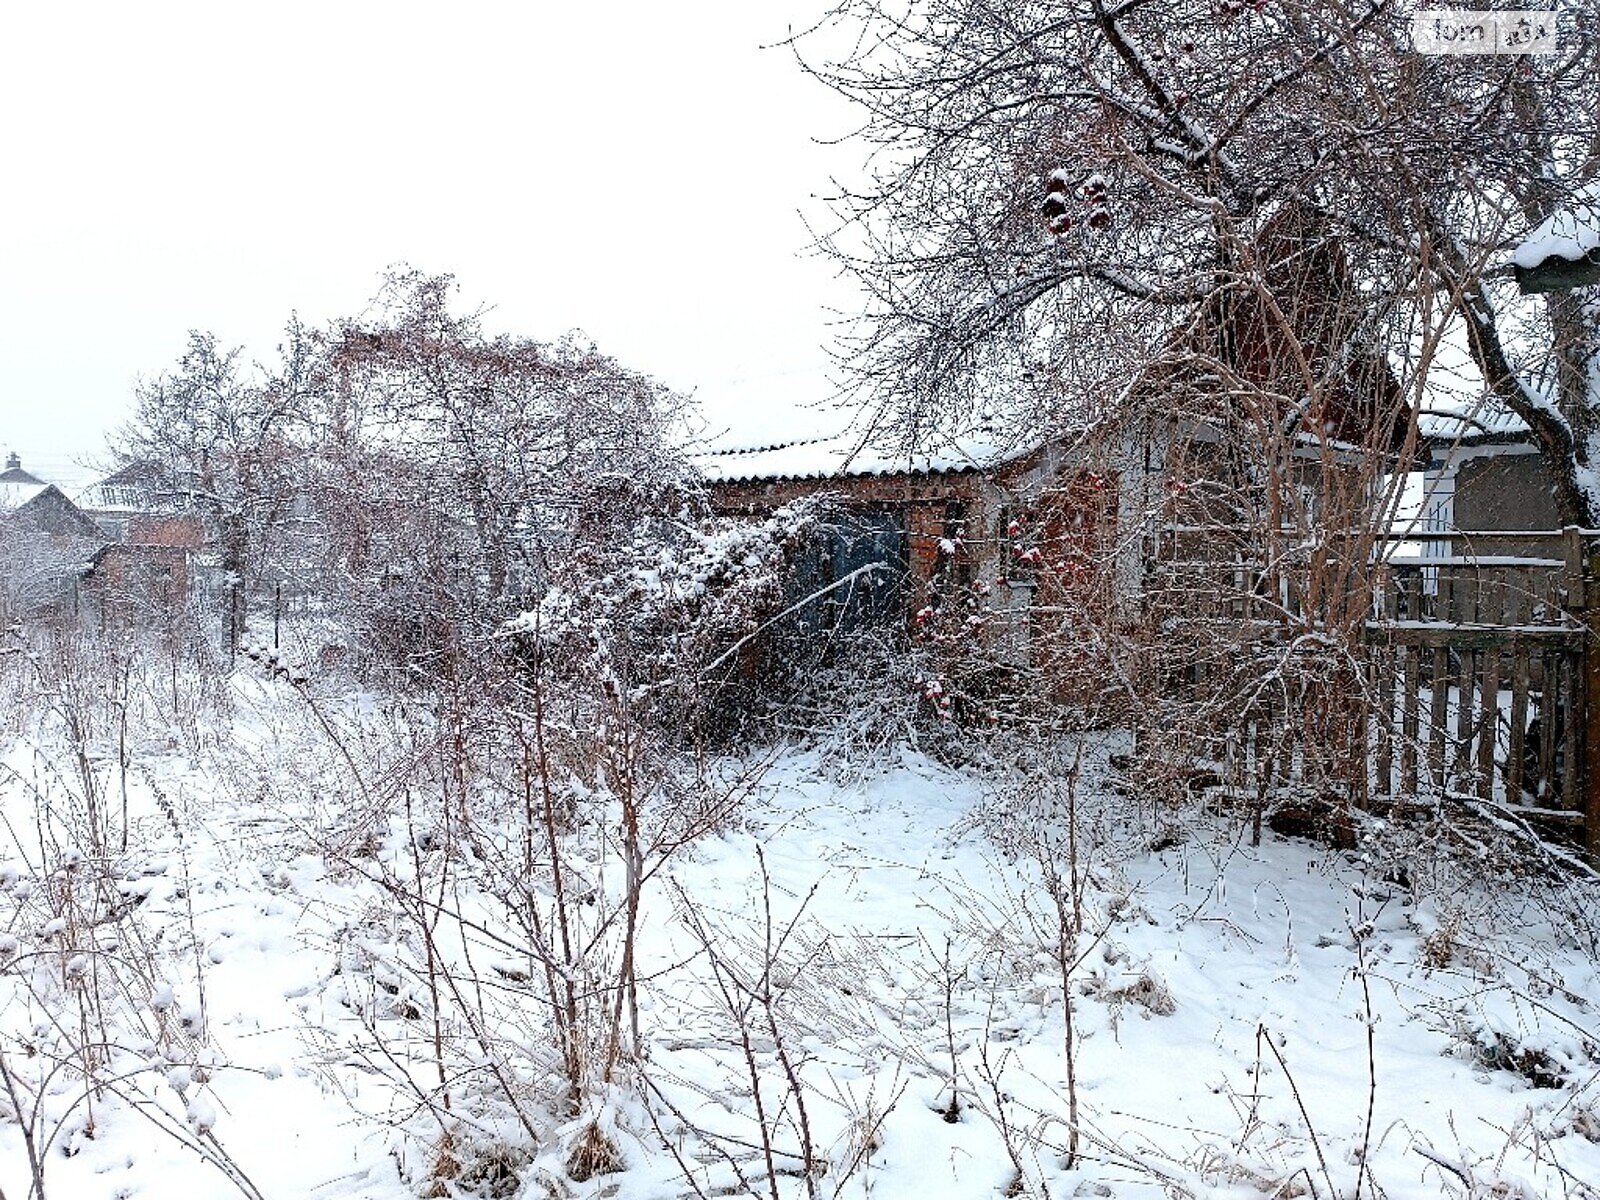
[[47, 547]]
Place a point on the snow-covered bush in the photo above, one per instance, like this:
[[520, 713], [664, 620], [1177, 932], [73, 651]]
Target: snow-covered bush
[[677, 617]]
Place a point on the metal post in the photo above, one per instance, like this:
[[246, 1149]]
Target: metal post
[[1589, 715], [233, 621]]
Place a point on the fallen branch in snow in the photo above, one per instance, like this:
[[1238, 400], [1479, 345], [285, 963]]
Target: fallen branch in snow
[[1459, 1170], [1506, 818]]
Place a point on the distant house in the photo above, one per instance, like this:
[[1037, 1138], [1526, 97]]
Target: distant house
[[28, 500], [1484, 472], [154, 537], [1487, 474], [46, 546], [141, 505]]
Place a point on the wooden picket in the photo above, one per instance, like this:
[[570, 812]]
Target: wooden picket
[[1481, 675]]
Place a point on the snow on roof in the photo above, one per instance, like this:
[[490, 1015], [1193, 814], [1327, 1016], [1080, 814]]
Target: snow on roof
[[14, 495], [843, 456], [110, 496], [15, 474], [1572, 232], [1484, 422], [136, 487]]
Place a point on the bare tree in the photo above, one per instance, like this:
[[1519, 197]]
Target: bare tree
[[460, 472], [1057, 188], [225, 438]]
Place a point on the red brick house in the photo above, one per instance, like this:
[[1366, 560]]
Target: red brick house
[[1028, 529], [147, 569]]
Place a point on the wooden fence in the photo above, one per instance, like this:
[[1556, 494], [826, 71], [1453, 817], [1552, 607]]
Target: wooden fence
[[1478, 675], [1480, 661]]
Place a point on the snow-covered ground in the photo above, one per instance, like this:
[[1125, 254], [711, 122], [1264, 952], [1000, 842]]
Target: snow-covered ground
[[1245, 1021]]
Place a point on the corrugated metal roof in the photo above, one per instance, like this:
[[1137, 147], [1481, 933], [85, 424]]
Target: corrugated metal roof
[[843, 456], [1486, 422]]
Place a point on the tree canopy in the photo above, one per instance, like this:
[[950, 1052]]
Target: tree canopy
[[1055, 189]]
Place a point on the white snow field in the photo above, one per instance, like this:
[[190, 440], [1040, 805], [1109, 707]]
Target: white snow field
[[243, 991]]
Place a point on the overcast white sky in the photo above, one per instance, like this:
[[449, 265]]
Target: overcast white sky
[[635, 170]]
